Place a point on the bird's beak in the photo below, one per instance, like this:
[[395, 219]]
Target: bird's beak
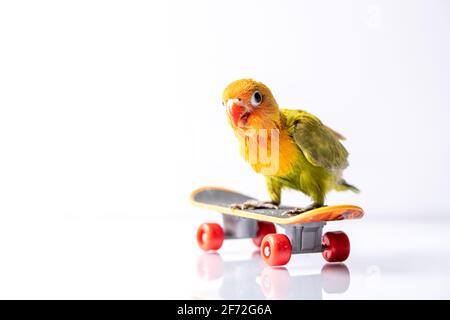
[[236, 111]]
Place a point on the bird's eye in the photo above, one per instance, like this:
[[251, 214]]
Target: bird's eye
[[256, 98]]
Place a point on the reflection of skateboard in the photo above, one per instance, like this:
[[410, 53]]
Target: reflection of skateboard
[[303, 232], [251, 279]]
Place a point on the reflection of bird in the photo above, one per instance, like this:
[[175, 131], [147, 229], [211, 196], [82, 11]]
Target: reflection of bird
[[310, 156]]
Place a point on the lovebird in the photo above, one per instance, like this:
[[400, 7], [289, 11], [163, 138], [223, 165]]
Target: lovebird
[[293, 149]]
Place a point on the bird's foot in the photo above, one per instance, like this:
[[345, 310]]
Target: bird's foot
[[254, 204], [296, 211]]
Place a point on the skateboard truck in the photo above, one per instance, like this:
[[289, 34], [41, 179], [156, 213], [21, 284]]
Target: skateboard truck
[[304, 238], [239, 228]]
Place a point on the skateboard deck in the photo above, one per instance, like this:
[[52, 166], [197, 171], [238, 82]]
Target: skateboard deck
[[220, 199]]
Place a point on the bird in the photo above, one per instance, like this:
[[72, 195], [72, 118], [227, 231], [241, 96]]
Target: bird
[[293, 149]]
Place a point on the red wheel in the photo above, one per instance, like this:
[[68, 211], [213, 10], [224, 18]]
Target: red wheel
[[264, 228], [276, 249], [336, 246], [210, 236]]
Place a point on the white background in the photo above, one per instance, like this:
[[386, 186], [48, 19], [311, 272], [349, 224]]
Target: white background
[[110, 111]]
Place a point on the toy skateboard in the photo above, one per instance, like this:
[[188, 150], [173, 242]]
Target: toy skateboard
[[303, 232]]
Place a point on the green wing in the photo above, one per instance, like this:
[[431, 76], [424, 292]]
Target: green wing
[[319, 144]]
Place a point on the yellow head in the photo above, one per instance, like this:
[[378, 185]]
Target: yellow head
[[250, 104]]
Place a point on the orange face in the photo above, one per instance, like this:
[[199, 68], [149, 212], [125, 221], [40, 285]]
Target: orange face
[[250, 104]]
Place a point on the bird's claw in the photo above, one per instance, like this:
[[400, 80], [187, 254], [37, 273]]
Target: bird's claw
[[297, 211], [294, 211], [254, 204]]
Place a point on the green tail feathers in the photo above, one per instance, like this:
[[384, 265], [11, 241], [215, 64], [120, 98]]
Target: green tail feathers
[[344, 186]]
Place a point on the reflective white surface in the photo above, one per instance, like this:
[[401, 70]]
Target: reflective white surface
[[132, 256], [110, 114]]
